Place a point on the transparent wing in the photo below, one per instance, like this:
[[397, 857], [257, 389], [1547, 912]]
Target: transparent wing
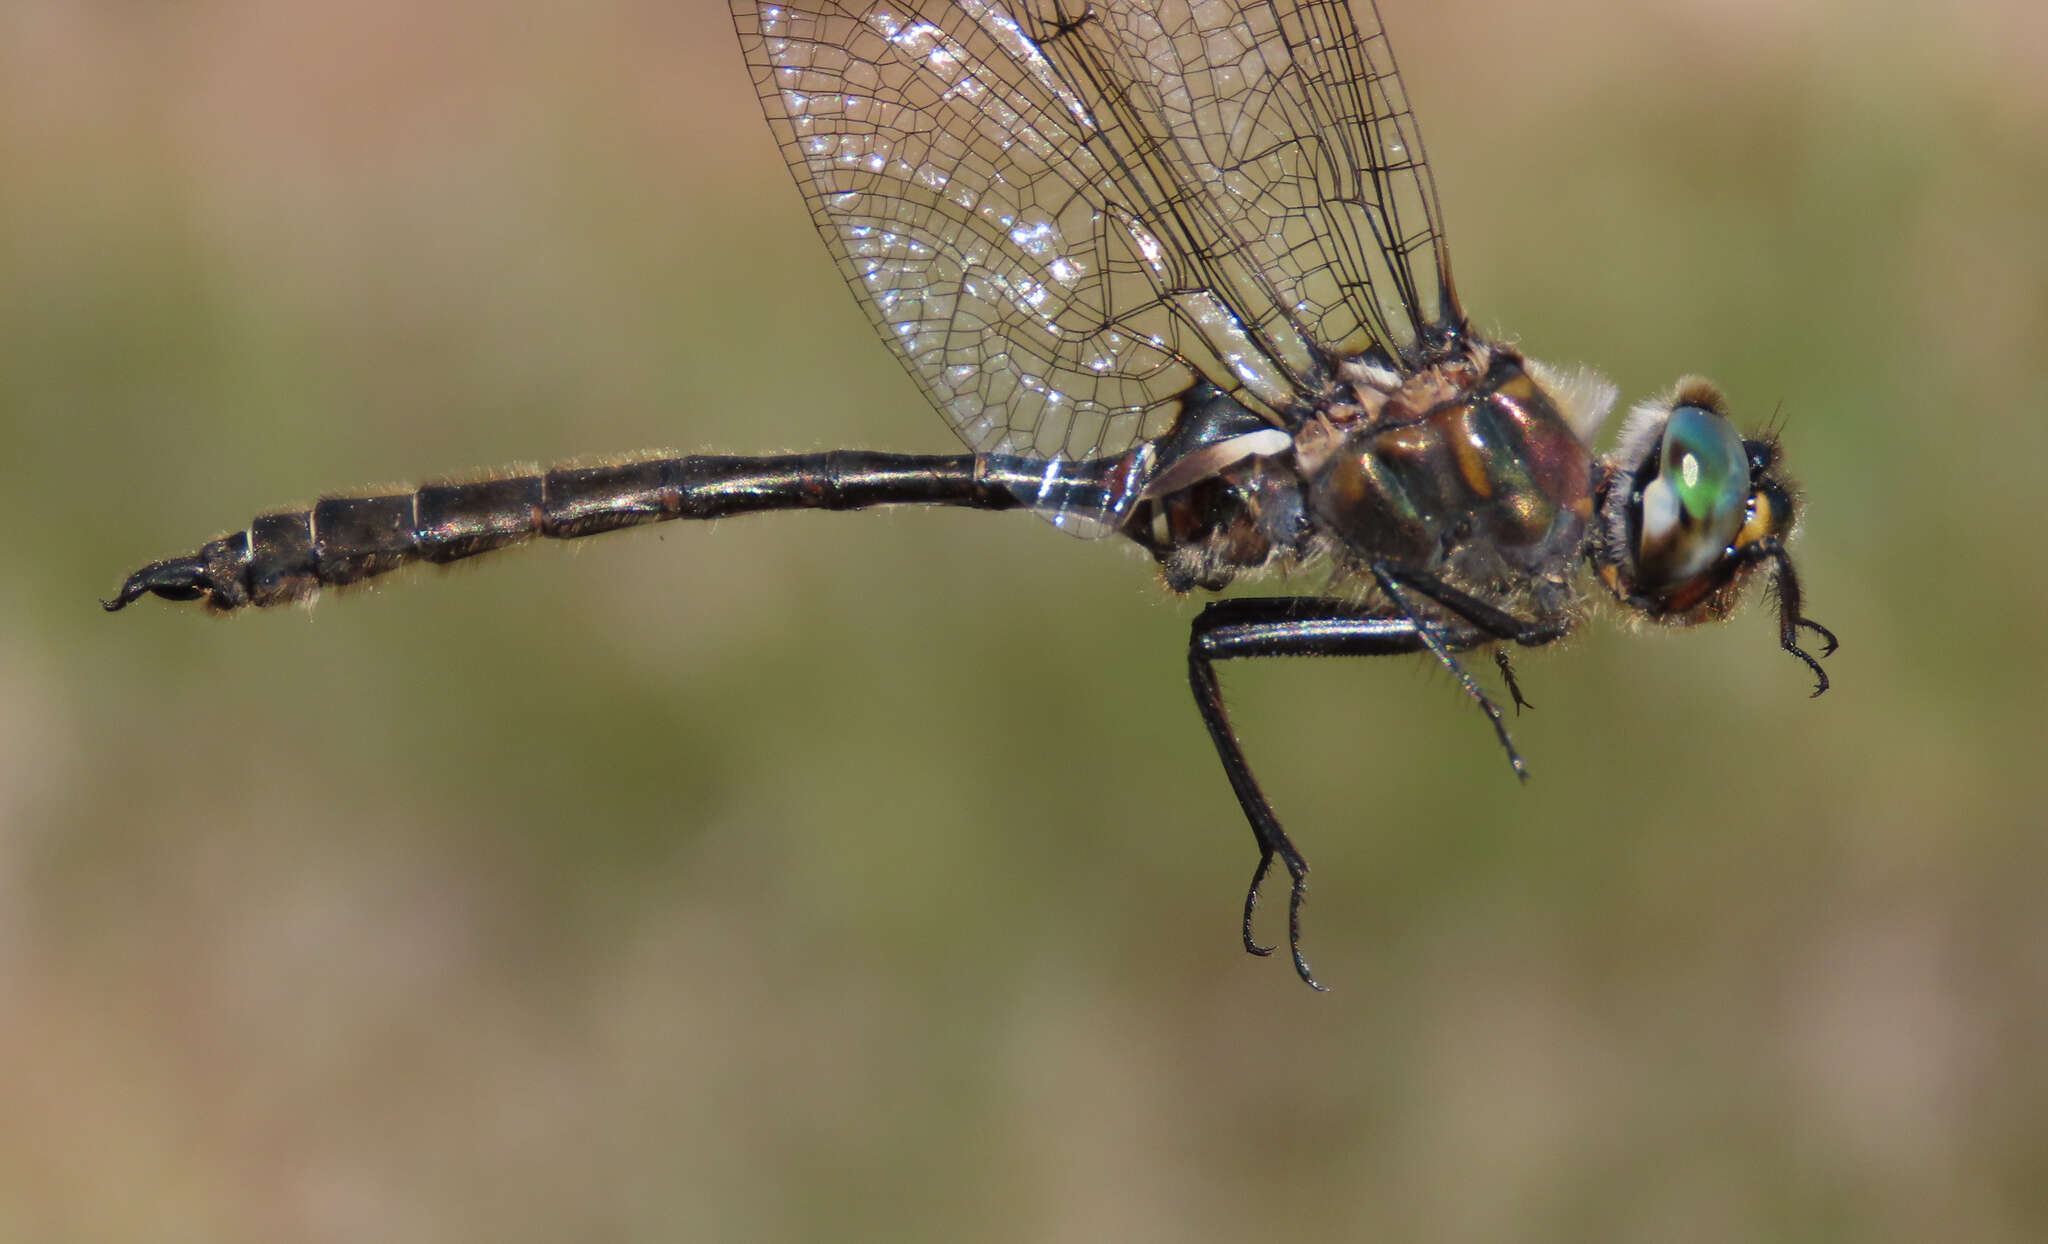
[[1060, 219]]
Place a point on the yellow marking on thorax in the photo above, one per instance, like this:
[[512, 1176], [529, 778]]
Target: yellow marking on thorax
[[1470, 453]]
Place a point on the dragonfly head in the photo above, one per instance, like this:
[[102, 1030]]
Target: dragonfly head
[[1684, 490], [1688, 508]]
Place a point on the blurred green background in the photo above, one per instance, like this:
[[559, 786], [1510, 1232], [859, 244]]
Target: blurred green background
[[870, 876]]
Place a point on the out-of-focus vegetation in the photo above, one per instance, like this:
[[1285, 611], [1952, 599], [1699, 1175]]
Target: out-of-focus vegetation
[[871, 876]]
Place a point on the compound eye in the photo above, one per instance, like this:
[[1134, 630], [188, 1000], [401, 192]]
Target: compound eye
[[1694, 505]]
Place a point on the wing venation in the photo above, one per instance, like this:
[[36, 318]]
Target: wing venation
[[1061, 218]]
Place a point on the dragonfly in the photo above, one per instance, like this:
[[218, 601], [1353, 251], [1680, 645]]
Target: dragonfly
[[1175, 272]]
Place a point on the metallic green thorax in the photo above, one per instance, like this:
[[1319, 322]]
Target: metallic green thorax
[[1489, 489], [1468, 472]]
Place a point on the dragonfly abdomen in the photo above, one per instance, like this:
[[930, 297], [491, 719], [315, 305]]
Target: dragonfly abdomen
[[291, 556]]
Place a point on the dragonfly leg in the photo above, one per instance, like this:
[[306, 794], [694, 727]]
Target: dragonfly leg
[[1507, 675], [1305, 626], [1280, 627], [1272, 839], [1427, 632], [1494, 622], [1790, 620]]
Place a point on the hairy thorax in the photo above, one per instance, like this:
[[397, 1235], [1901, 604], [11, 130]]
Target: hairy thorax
[[1470, 471]]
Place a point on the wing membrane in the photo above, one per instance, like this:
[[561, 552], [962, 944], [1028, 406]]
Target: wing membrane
[[1060, 219]]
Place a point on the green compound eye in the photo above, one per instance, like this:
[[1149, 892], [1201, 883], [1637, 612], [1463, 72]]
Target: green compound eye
[[1696, 503], [1703, 459]]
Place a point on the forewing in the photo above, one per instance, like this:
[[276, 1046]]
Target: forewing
[[1291, 138], [1059, 221]]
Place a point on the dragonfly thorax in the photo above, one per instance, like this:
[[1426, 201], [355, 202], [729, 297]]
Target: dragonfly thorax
[[1470, 471]]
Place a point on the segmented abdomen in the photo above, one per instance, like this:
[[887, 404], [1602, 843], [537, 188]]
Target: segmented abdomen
[[285, 557]]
